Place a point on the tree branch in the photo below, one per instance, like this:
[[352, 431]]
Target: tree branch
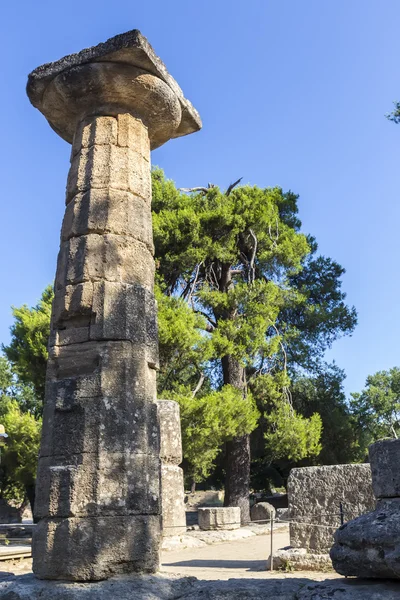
[[230, 188], [198, 189], [209, 319], [252, 274], [199, 384]]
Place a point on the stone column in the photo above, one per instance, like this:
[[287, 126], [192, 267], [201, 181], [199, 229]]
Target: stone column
[[172, 483], [369, 546], [98, 486]]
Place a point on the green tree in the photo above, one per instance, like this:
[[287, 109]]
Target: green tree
[[323, 393], [27, 351], [272, 305], [395, 114], [208, 422], [226, 254], [19, 415], [377, 408]]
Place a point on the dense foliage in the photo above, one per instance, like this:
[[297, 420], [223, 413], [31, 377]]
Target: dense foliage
[[19, 415], [27, 351]]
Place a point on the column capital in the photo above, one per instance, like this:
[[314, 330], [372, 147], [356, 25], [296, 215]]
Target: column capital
[[120, 75]]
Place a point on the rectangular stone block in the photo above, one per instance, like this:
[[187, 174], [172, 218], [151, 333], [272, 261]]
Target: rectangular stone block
[[315, 494], [108, 257], [108, 211], [94, 548], [108, 166], [105, 311], [173, 500], [133, 134], [100, 396], [227, 517], [100, 131], [170, 431], [125, 312], [384, 458], [101, 484]]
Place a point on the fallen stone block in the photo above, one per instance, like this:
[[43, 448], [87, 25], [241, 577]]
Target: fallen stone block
[[262, 511], [299, 559], [219, 518]]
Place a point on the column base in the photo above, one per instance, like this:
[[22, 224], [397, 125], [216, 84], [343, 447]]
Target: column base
[[95, 548], [369, 546]]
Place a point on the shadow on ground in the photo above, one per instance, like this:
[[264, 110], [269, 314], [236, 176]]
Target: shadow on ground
[[246, 565]]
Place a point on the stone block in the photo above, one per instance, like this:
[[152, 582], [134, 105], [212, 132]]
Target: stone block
[[105, 311], [133, 134], [369, 546], [98, 484], [107, 166], [94, 548], [173, 504], [219, 518], [100, 396], [315, 494], [100, 131], [262, 511], [384, 458], [298, 559], [108, 210], [170, 431], [107, 257]]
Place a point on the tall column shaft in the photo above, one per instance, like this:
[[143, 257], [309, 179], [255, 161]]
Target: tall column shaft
[[98, 486]]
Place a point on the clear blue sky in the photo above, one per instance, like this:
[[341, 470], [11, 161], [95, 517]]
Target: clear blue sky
[[292, 93]]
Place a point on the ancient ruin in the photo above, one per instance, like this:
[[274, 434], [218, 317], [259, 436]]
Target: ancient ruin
[[315, 495], [369, 546], [172, 483], [98, 486]]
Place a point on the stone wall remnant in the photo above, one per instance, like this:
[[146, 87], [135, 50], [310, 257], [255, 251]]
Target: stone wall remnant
[[315, 494], [172, 483], [98, 485]]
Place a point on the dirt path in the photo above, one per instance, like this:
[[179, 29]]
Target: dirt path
[[239, 559]]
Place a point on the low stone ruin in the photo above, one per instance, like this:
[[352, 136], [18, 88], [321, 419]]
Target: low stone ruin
[[226, 517], [369, 546], [172, 485], [315, 495]]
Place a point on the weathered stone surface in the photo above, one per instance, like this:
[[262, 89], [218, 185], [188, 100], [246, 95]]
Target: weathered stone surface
[[315, 494], [173, 506], [172, 483], [98, 484], [369, 546], [109, 166], [298, 559], [98, 489], [227, 517], [170, 431], [384, 457], [105, 311], [262, 511], [108, 257], [135, 52], [102, 393], [166, 587], [93, 548], [108, 211]]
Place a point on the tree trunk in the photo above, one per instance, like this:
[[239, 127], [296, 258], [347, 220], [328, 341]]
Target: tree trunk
[[237, 461], [30, 493]]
